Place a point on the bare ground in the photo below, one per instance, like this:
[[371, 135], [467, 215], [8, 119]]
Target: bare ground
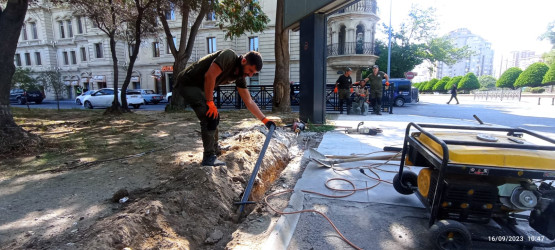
[[59, 196]]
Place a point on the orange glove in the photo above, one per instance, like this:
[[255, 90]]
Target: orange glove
[[352, 90], [386, 83], [362, 95], [212, 110], [335, 90], [268, 123]]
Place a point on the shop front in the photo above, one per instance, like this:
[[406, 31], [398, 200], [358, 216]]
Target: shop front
[[99, 81]]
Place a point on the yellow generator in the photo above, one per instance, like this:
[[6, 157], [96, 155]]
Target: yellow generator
[[476, 174]]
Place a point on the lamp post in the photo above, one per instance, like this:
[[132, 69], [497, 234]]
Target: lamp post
[[389, 46]]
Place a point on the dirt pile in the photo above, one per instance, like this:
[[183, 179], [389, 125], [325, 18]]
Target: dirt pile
[[193, 209]]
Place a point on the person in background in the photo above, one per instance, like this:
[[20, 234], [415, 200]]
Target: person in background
[[360, 105], [453, 94], [343, 86], [196, 84], [376, 89]]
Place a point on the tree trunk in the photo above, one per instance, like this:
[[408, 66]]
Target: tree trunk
[[282, 101], [12, 137], [116, 108]]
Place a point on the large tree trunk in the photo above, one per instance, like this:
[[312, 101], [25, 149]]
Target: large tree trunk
[[282, 101], [12, 137], [116, 108]]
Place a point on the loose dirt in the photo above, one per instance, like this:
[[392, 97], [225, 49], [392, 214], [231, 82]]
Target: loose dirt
[[59, 196]]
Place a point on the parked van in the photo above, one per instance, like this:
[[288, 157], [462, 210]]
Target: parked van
[[403, 92]]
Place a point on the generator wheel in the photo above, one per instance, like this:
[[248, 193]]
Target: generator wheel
[[450, 234], [408, 177]]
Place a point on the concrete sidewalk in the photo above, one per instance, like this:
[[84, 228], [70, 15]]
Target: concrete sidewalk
[[379, 218]]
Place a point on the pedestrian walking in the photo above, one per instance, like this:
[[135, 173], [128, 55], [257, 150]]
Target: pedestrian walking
[[197, 82], [453, 94]]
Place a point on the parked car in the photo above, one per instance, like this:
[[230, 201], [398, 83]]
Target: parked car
[[169, 96], [403, 92], [22, 97], [79, 99], [149, 96], [104, 97]]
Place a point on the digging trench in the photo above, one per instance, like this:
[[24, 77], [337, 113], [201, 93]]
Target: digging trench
[[195, 208]]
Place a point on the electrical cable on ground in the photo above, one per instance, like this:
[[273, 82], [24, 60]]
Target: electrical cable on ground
[[352, 191]]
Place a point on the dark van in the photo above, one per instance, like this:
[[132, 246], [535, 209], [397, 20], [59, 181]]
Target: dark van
[[403, 92]]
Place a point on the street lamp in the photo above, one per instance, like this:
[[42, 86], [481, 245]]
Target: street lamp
[[389, 46]]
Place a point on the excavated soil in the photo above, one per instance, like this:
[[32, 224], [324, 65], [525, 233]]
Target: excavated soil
[[173, 201]]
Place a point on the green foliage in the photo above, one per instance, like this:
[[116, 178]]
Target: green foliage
[[240, 17], [430, 85], [469, 82], [532, 76], [454, 80], [549, 57], [535, 90], [549, 34], [487, 82], [442, 49], [508, 78], [403, 58], [549, 77], [52, 81], [440, 85], [22, 79]]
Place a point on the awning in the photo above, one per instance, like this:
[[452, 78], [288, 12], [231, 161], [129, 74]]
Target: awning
[[99, 78], [135, 79]]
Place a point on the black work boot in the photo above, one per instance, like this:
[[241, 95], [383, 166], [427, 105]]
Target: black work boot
[[212, 160]]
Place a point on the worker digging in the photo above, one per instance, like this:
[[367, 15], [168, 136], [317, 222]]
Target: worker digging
[[197, 82]]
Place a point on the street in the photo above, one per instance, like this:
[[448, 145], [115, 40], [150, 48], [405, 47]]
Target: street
[[526, 114]]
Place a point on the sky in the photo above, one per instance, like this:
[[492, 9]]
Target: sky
[[508, 25]]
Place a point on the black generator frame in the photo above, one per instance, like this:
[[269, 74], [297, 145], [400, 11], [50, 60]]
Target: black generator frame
[[444, 167]]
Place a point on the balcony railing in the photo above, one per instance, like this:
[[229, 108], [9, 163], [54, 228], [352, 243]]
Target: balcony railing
[[366, 6], [352, 48]]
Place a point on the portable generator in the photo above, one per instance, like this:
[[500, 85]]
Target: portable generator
[[476, 174]]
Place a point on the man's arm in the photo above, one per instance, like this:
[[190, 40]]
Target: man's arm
[[386, 77], [251, 105], [210, 81]]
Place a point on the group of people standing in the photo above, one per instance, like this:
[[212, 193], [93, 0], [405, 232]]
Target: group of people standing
[[363, 94]]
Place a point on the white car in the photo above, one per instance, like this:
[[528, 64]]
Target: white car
[[79, 99], [104, 97], [169, 97]]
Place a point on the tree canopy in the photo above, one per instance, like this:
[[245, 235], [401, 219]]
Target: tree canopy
[[469, 82], [453, 81], [429, 85], [532, 76], [440, 85], [487, 82], [549, 34], [549, 57], [508, 78], [549, 77], [22, 79]]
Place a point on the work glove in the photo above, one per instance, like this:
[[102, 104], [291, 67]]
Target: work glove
[[386, 83], [268, 123], [212, 110], [335, 90], [362, 95], [352, 90]]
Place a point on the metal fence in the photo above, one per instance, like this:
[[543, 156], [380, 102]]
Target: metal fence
[[498, 95], [227, 96], [351, 48]]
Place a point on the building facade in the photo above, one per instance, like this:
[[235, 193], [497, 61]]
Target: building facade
[[53, 38], [521, 59], [480, 62]]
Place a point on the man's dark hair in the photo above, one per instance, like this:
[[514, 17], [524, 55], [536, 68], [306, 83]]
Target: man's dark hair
[[254, 58]]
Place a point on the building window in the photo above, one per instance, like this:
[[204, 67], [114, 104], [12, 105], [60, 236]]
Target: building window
[[136, 85], [73, 57], [253, 43], [79, 25], [83, 54], [34, 31], [69, 28], [168, 51], [131, 48], [170, 14], [94, 24], [211, 41], [37, 58], [27, 59], [98, 50], [211, 16], [62, 33], [24, 32], [17, 60], [66, 59], [156, 49]]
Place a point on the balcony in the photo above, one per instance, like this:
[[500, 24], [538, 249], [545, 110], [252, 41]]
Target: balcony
[[352, 54]]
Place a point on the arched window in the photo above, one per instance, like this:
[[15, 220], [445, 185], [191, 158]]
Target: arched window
[[341, 42], [360, 39]]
